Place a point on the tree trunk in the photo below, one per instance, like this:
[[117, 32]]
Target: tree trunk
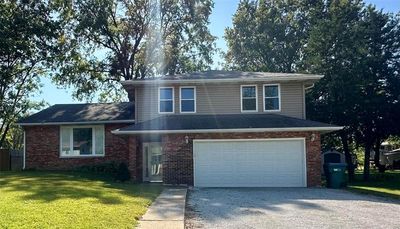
[[4, 134], [349, 159], [367, 153], [377, 162]]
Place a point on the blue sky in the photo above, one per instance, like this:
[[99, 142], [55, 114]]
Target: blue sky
[[220, 19]]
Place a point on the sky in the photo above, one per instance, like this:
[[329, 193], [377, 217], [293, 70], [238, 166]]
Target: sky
[[220, 19]]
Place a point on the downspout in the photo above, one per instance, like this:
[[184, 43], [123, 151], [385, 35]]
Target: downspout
[[304, 98], [309, 87], [24, 152]]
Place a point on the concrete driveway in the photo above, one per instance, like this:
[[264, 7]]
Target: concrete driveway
[[288, 208]]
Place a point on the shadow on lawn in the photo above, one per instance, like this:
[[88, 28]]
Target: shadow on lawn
[[46, 186]]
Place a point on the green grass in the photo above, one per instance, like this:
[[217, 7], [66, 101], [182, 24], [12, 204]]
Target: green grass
[[386, 184], [70, 200]]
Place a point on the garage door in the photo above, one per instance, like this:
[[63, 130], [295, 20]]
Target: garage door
[[249, 163]]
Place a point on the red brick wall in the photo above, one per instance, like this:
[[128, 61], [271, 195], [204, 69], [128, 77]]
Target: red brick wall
[[42, 152], [178, 156], [135, 158], [43, 149]]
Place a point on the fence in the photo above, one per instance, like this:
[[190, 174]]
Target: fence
[[4, 160], [11, 159], [16, 159]]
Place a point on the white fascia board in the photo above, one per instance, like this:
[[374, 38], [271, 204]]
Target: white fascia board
[[267, 79], [76, 123], [243, 130]]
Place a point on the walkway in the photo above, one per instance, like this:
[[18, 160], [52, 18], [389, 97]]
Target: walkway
[[167, 211]]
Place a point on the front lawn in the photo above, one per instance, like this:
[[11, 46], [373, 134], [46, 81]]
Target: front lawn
[[70, 200], [386, 184]]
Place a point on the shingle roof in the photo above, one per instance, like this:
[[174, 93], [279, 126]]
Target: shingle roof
[[227, 76], [83, 113], [188, 123], [220, 74]]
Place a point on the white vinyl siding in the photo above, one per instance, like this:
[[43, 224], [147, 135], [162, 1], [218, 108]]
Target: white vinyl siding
[[250, 163], [219, 99], [81, 141]]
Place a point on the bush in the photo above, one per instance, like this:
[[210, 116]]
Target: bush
[[123, 173], [118, 172]]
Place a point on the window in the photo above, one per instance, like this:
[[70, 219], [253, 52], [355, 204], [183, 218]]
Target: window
[[82, 141], [166, 100], [249, 98], [188, 99], [272, 97]]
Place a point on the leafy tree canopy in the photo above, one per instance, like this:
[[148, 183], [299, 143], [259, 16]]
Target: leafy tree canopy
[[108, 41], [270, 35], [354, 46], [28, 35]]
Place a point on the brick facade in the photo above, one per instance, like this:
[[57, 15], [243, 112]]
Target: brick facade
[[42, 152], [43, 149], [178, 156]]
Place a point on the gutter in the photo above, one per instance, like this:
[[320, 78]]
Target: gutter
[[213, 80], [309, 87], [76, 123], [241, 130], [24, 152]]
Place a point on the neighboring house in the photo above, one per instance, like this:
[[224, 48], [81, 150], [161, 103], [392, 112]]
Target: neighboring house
[[389, 155], [209, 129]]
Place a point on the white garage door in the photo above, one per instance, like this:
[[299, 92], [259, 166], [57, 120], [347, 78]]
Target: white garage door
[[249, 163]]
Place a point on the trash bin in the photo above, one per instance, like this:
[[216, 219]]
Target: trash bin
[[335, 175]]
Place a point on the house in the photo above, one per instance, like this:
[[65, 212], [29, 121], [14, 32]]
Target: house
[[208, 129]]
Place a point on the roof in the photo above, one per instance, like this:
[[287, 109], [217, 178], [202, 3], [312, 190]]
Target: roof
[[225, 123], [82, 113], [225, 76]]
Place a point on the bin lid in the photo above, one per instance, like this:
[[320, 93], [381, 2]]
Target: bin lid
[[337, 165]]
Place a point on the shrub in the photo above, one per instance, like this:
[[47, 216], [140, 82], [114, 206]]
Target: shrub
[[118, 172], [107, 170], [122, 173]]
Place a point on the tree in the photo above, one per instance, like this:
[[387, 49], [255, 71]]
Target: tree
[[27, 35], [270, 35], [379, 109], [109, 41], [357, 50], [334, 49]]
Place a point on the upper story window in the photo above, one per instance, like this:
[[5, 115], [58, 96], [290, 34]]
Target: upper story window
[[249, 98], [188, 99], [272, 97], [81, 141], [166, 100]]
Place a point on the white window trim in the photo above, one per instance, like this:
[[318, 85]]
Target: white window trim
[[279, 97], [173, 100], [71, 141], [194, 99], [241, 98]]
